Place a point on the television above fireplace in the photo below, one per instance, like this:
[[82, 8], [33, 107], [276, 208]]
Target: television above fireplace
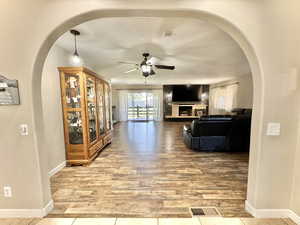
[[187, 93]]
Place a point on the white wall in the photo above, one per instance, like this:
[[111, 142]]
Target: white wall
[[279, 56], [52, 109], [286, 37]]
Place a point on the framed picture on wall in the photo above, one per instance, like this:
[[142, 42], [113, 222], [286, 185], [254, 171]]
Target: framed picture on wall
[[9, 91]]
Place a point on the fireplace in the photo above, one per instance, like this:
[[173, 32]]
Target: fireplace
[[185, 110]]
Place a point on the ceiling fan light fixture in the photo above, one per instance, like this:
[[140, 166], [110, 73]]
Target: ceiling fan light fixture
[[146, 68], [145, 74]]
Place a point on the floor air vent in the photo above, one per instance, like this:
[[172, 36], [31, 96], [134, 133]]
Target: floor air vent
[[205, 211]]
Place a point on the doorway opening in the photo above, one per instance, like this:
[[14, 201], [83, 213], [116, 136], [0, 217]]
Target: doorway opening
[[148, 163], [164, 144], [140, 106]]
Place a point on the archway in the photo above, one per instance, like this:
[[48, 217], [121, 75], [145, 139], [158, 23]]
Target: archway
[[223, 24]]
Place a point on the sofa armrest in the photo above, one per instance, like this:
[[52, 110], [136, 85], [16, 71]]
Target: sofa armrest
[[187, 128], [190, 141]]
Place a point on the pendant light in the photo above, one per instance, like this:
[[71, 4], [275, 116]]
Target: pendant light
[[75, 58]]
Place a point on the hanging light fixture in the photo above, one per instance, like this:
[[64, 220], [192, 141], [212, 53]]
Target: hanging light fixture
[[75, 59], [146, 67]]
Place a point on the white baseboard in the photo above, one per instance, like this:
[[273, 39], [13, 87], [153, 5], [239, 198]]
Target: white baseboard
[[56, 169], [27, 213], [272, 213], [48, 208]]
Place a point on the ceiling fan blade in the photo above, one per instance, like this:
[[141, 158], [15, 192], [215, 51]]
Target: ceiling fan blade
[[153, 60], [129, 71], [130, 63], [164, 67]]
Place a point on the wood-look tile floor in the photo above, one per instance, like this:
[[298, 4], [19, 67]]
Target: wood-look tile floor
[[148, 172]]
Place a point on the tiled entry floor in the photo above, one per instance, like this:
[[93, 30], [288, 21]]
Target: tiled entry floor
[[149, 221]]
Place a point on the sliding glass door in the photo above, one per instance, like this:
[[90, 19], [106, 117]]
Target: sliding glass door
[[140, 106]]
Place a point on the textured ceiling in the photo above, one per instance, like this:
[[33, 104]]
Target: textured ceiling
[[201, 52]]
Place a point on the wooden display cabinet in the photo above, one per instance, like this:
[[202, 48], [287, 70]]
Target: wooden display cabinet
[[86, 114]]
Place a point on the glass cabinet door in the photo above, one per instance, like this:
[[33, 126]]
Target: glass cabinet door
[[72, 90], [74, 124], [91, 109], [107, 106], [100, 103]]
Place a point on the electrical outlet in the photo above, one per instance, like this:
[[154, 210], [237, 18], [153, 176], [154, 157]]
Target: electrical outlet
[[7, 192]]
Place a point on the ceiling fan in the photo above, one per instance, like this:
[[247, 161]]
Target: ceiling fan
[[147, 65]]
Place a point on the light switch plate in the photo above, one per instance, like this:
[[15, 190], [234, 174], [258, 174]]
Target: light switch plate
[[7, 192], [24, 129], [273, 129]]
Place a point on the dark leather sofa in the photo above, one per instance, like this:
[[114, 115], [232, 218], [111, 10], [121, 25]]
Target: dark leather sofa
[[220, 132]]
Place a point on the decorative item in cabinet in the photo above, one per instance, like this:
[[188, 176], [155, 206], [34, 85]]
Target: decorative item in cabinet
[[92, 122], [72, 88], [75, 133], [100, 103], [107, 106], [91, 108], [86, 110]]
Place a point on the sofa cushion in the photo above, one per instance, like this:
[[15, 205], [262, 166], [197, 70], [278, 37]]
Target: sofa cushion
[[210, 128], [213, 143]]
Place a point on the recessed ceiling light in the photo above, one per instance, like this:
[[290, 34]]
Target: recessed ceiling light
[[168, 33]]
